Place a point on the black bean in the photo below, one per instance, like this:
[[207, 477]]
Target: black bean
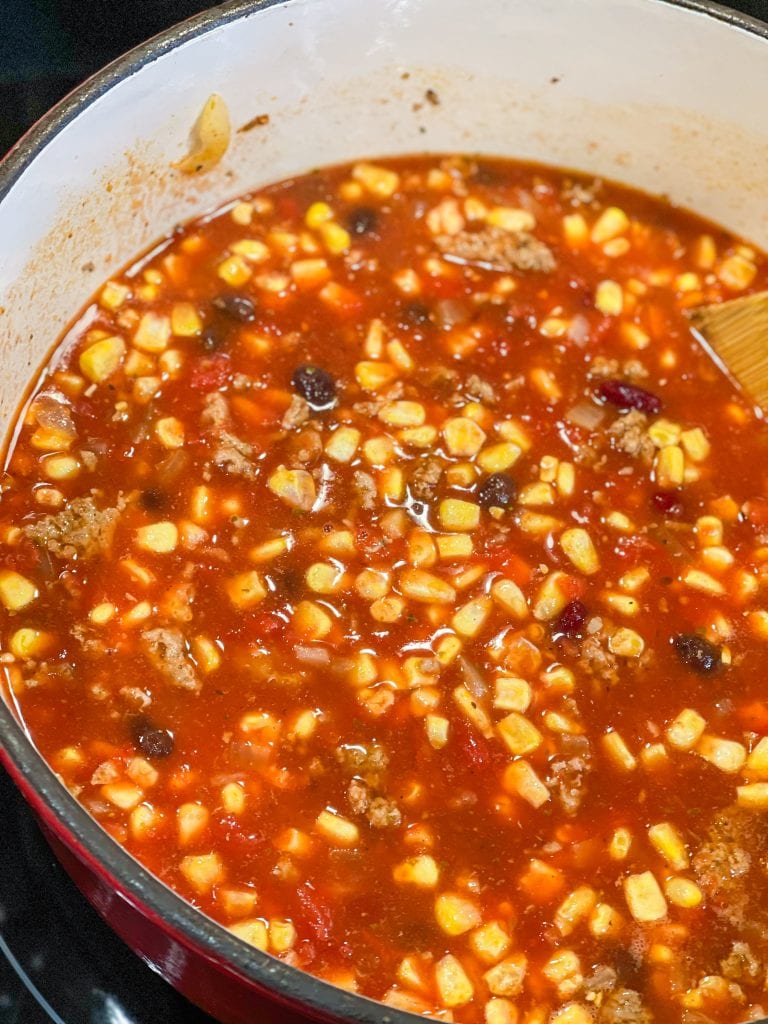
[[150, 739], [316, 386], [415, 314], [498, 491], [211, 339], [236, 307], [362, 220], [571, 620], [668, 503], [153, 499], [696, 652], [627, 396]]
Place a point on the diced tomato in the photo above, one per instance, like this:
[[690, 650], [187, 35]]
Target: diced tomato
[[754, 716], [316, 912], [210, 372]]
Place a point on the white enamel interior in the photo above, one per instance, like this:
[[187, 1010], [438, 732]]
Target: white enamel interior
[[656, 95]]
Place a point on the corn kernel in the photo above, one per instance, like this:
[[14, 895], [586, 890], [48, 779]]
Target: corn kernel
[[736, 272], [453, 986], [695, 444], [686, 730], [234, 271], [611, 223], [463, 437], [379, 181], [456, 914], [619, 753], [511, 219], [311, 620], [337, 830], [191, 822], [253, 932], [402, 414], [520, 736], [669, 467], [437, 728], [421, 871], [552, 596], [294, 487], [703, 582], [682, 892], [644, 898], [578, 547], [16, 591], [29, 643], [667, 841], [158, 538], [609, 298], [626, 643], [101, 359], [499, 457], [169, 431], [472, 616], [727, 755], [521, 778], [753, 797], [506, 978], [246, 589], [456, 514]]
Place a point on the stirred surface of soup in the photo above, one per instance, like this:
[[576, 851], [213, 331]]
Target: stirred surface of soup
[[385, 566]]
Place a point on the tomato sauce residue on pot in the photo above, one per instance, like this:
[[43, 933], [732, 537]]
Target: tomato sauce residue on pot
[[384, 566]]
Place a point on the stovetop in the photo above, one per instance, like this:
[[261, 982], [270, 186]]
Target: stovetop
[[58, 961], [61, 962]]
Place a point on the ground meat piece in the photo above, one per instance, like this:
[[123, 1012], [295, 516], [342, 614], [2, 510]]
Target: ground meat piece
[[234, 456], [602, 979], [597, 660], [135, 696], [297, 414], [105, 773], [628, 434], [358, 760], [624, 1006], [741, 965], [630, 370], [216, 411], [496, 249], [88, 639], [166, 650], [81, 530], [479, 389], [372, 407], [365, 486], [425, 479], [305, 448], [578, 194], [359, 796], [718, 867], [384, 813], [567, 777], [89, 459]]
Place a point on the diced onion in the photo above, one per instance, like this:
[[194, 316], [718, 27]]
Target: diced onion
[[210, 137], [312, 655], [578, 330], [586, 414], [473, 678]]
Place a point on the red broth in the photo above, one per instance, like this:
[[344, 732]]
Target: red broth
[[384, 566]]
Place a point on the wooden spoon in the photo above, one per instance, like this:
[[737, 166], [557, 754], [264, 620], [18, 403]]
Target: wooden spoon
[[736, 333]]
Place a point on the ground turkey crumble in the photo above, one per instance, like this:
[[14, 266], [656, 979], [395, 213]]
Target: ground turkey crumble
[[80, 531], [495, 249], [167, 652]]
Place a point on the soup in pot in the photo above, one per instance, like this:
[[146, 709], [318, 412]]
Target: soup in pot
[[385, 566]]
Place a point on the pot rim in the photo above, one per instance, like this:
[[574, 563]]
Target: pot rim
[[41, 787]]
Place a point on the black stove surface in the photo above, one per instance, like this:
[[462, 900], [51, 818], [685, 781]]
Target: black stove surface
[[58, 961]]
